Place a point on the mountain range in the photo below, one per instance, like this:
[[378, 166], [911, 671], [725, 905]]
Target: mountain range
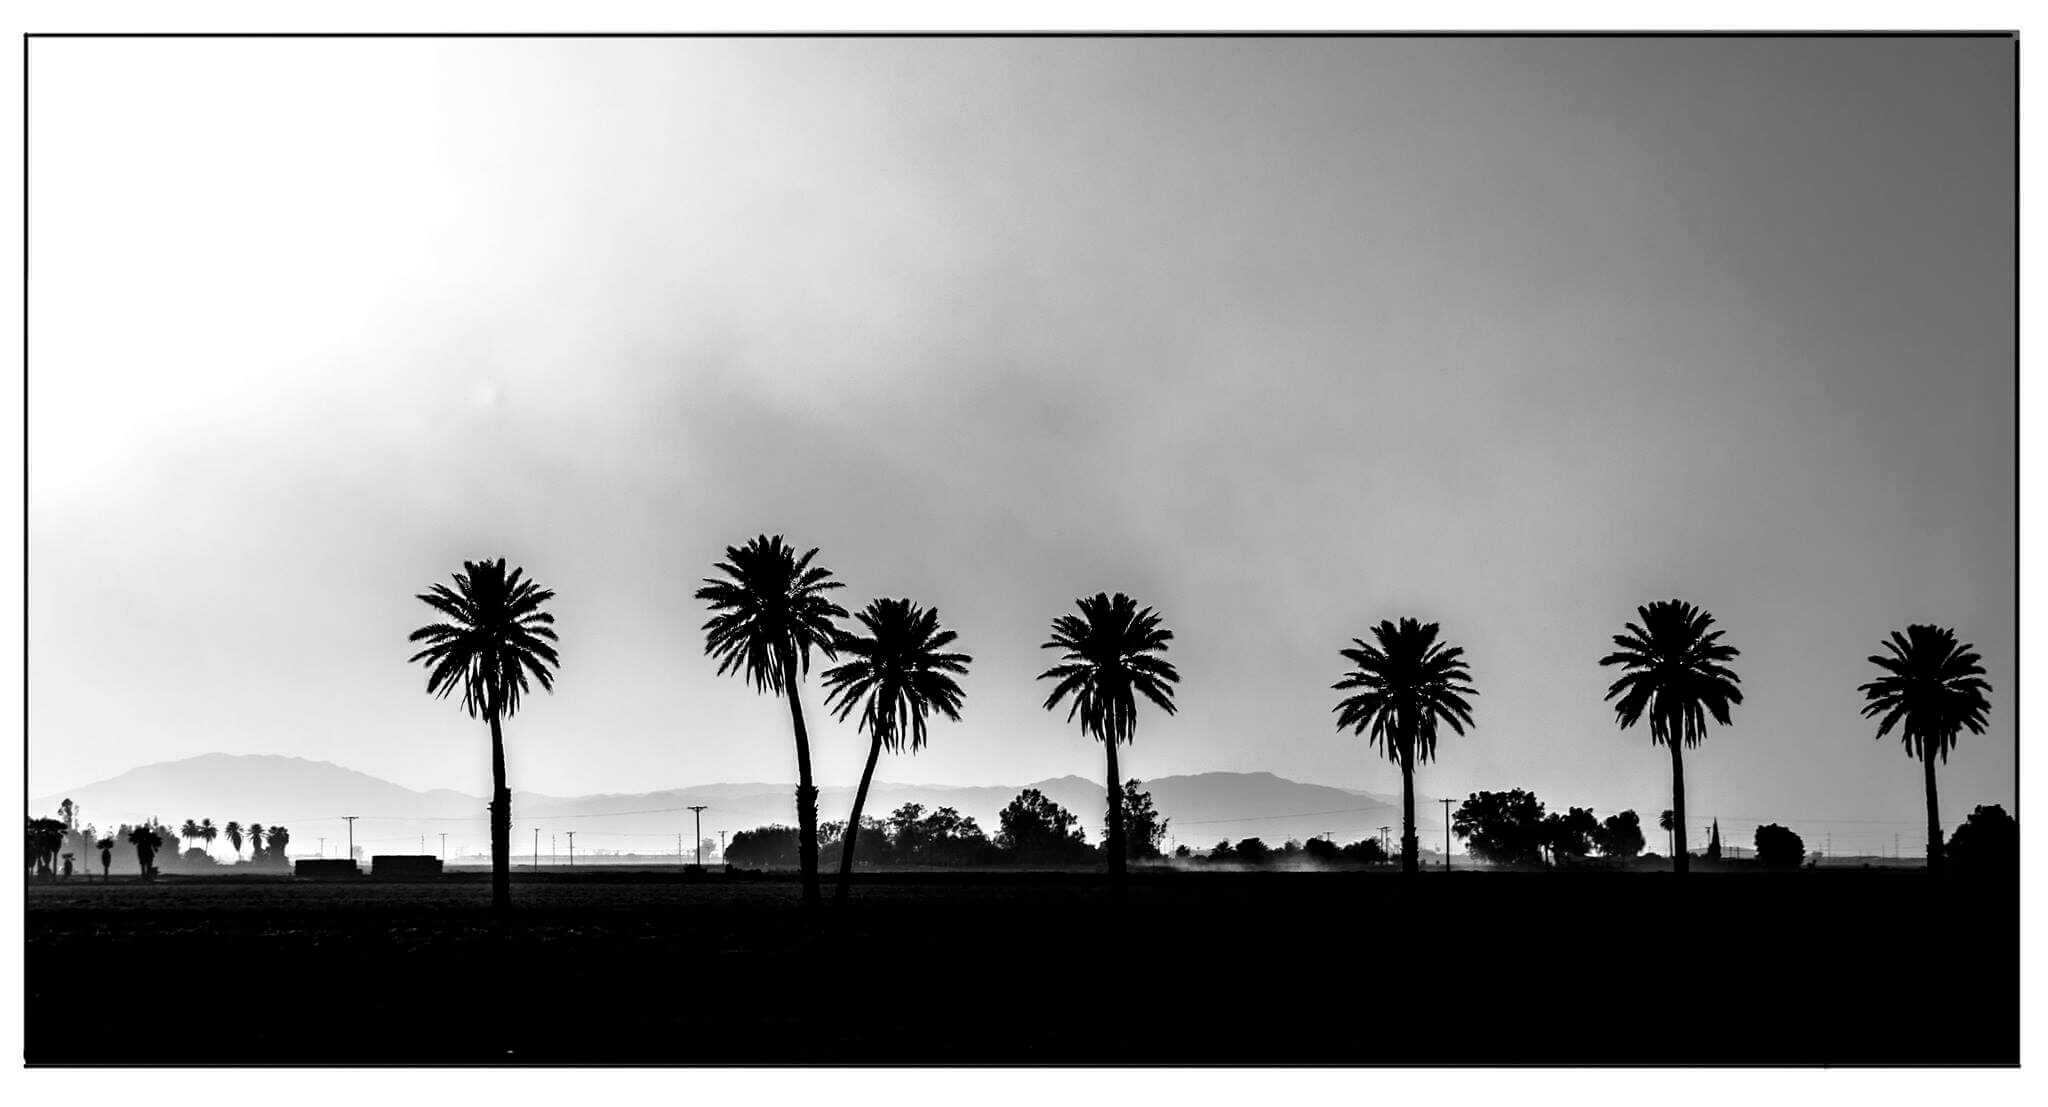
[[311, 797]]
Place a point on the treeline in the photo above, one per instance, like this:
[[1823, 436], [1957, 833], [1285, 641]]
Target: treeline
[[67, 845]]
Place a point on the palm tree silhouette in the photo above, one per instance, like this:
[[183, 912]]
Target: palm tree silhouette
[[234, 833], [1935, 688], [186, 833], [768, 613], [1111, 649], [255, 833], [1664, 823], [1673, 672], [896, 675], [494, 635], [207, 833], [1407, 684]]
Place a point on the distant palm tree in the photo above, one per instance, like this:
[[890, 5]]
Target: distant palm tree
[[234, 833], [495, 636], [146, 841], [1407, 684], [1110, 651], [1673, 672], [896, 675], [1935, 688], [255, 833], [1665, 823], [768, 613], [186, 833], [207, 833]]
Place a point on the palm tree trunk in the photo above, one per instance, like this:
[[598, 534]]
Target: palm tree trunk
[[1411, 861], [1114, 840], [851, 837], [806, 793], [501, 824], [1934, 850], [1678, 858]]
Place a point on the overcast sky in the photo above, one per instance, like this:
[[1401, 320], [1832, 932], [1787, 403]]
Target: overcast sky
[[1282, 337]]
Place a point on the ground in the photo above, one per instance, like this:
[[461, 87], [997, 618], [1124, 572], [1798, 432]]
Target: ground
[[1803, 967]]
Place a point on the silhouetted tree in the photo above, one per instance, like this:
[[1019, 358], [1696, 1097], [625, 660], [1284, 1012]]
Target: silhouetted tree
[[1365, 851], [1407, 684], [207, 833], [1674, 673], [1621, 836], [234, 833], [943, 837], [279, 840], [1033, 828], [1110, 654], [494, 635], [896, 673], [1222, 851], [1144, 829], [1252, 851], [1321, 850], [45, 839], [186, 833], [1502, 828], [1778, 848], [1935, 688], [106, 848], [1569, 834], [1987, 842], [256, 843], [1714, 842], [764, 847], [768, 614], [146, 841], [1667, 822]]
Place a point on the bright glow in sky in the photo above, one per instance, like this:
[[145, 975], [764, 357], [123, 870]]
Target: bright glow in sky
[[1283, 337]]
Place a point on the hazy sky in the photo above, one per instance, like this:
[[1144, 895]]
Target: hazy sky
[[1283, 337]]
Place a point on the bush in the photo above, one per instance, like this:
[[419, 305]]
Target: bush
[[1778, 848]]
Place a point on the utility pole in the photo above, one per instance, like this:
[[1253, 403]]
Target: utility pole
[[1447, 834], [351, 835], [698, 810], [323, 848], [721, 846], [536, 849], [572, 849], [444, 849]]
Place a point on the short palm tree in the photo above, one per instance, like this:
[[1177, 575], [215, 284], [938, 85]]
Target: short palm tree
[[234, 833], [187, 833], [255, 833], [1110, 657], [492, 637], [1406, 684], [769, 611], [896, 673], [1932, 689], [1675, 673]]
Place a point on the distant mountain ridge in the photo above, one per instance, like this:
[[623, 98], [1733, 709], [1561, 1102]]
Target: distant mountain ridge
[[312, 796]]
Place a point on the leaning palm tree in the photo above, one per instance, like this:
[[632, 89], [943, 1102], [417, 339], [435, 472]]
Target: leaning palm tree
[[896, 674], [494, 635], [1407, 684], [1931, 690], [1674, 672], [768, 613], [1110, 651], [234, 833]]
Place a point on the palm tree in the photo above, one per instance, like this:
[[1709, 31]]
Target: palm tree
[[1407, 684], [1111, 650], [495, 636], [896, 676], [1673, 672], [186, 833], [234, 833], [768, 613], [255, 833], [207, 833], [1664, 824], [1935, 688]]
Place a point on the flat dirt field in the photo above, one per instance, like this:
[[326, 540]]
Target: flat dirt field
[[1848, 967]]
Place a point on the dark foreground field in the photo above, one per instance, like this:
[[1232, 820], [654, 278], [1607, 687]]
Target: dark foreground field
[[1198, 968]]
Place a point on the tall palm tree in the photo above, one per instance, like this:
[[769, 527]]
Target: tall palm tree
[[896, 674], [207, 833], [1407, 684], [1674, 672], [492, 637], [234, 833], [1935, 688], [255, 833], [1110, 651], [186, 833], [769, 612], [1665, 824]]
